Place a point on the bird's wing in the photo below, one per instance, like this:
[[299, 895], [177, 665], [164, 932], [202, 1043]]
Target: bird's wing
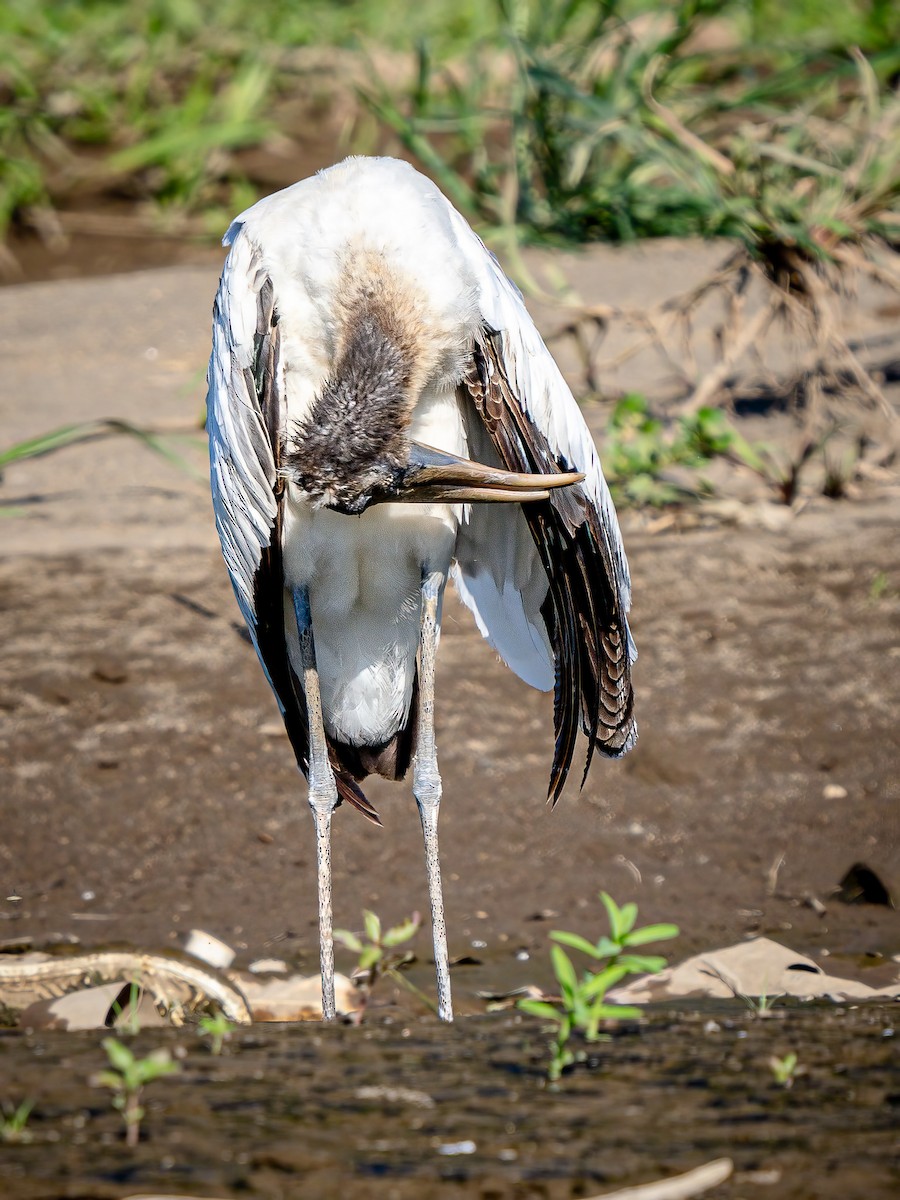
[[246, 427], [548, 582]]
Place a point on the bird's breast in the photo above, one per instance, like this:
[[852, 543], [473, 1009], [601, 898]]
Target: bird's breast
[[373, 561], [364, 579]]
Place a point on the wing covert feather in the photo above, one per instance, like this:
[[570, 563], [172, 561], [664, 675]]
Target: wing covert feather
[[534, 424]]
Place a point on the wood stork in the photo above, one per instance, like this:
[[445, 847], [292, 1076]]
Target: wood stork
[[383, 414]]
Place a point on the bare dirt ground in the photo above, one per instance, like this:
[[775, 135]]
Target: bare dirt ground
[[148, 789]]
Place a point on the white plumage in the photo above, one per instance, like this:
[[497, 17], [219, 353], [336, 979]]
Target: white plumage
[[359, 323]]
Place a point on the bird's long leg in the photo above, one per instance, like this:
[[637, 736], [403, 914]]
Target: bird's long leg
[[323, 795], [427, 782]]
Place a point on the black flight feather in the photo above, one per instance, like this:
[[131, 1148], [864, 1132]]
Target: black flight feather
[[582, 611]]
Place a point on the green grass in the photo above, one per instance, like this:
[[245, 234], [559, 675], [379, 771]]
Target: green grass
[[152, 101], [155, 102], [580, 125], [87, 431], [597, 129], [874, 25], [555, 121]]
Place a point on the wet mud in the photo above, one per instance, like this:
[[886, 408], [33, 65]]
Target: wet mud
[[403, 1107]]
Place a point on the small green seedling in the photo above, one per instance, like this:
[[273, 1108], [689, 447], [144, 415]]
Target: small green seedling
[[216, 1028], [878, 588], [378, 953], [14, 1122], [127, 1078], [582, 1005], [640, 450], [784, 1069], [761, 1006]]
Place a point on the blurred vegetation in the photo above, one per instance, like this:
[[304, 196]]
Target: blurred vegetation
[[151, 100], [775, 124], [565, 119], [677, 122], [640, 451], [89, 431]]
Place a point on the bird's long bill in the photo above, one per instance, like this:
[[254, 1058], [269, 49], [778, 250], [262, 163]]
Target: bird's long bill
[[434, 475]]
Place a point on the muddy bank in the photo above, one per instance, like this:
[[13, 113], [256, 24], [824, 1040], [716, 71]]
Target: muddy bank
[[407, 1109]]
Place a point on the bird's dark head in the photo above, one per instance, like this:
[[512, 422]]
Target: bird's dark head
[[351, 449]]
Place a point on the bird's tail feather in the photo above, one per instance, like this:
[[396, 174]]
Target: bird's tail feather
[[349, 791], [390, 759]]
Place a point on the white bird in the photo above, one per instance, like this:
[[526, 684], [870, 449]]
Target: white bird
[[383, 414]]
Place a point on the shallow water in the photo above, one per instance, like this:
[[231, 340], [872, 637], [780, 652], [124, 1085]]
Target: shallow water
[[406, 1107]]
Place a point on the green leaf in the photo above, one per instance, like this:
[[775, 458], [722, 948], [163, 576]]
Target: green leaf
[[606, 948], [575, 941], [156, 1064], [373, 925], [614, 916], [564, 971], [400, 933], [627, 917], [617, 1012], [651, 933], [67, 435], [109, 1079], [639, 964], [628, 1012], [349, 940], [47, 442], [540, 1008], [118, 1054], [600, 983]]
